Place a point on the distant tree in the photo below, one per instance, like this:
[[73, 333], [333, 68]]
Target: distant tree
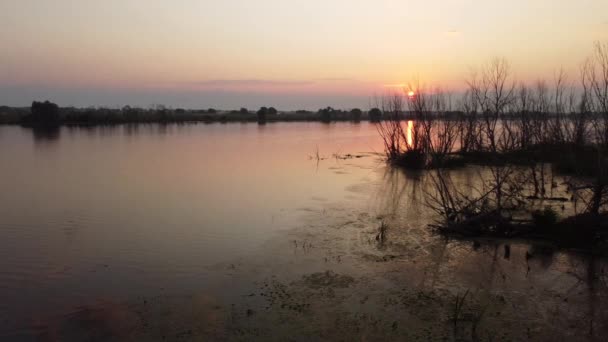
[[375, 115], [130, 114], [162, 112], [180, 111], [356, 114], [159, 108], [45, 113], [272, 111], [244, 111], [326, 114], [211, 111], [262, 113]]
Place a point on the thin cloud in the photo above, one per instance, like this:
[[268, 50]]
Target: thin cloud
[[453, 33], [253, 82], [335, 79], [270, 82]]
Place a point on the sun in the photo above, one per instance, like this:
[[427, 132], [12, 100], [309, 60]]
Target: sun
[[411, 93]]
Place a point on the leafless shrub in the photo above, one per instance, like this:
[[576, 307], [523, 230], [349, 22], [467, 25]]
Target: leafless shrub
[[469, 127], [556, 129], [523, 105], [391, 130], [493, 91]]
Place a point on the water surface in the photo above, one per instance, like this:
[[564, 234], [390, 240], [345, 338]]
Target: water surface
[[240, 231], [108, 211]]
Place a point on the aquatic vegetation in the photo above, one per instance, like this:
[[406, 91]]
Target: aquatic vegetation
[[381, 236], [529, 140]]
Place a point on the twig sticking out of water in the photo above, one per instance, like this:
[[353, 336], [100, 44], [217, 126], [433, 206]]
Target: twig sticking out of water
[[458, 305], [317, 155], [381, 236]]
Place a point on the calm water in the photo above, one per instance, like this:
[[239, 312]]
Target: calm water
[[107, 212], [93, 218]]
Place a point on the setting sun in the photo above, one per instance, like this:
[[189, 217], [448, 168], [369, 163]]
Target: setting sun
[[411, 93]]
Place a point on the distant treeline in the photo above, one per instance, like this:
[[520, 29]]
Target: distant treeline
[[49, 113]]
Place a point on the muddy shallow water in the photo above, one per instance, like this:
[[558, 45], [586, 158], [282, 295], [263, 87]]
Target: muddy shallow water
[[238, 232]]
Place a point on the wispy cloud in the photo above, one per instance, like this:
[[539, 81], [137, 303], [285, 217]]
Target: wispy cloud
[[269, 82], [453, 33], [336, 79], [253, 82]]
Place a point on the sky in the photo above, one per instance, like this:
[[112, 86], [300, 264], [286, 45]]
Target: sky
[[291, 54]]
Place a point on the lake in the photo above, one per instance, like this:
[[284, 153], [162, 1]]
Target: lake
[[221, 231]]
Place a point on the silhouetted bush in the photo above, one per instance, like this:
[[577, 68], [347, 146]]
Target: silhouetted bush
[[356, 114], [375, 115], [326, 114], [262, 113], [544, 219], [10, 115], [44, 113]]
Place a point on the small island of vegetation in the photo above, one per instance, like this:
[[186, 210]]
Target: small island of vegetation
[[540, 151]]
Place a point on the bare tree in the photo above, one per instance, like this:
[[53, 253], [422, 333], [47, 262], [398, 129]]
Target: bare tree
[[443, 134], [469, 129], [595, 86], [559, 104], [391, 130], [523, 106], [493, 91]]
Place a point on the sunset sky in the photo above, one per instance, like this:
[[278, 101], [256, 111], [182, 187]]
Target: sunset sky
[[287, 53]]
